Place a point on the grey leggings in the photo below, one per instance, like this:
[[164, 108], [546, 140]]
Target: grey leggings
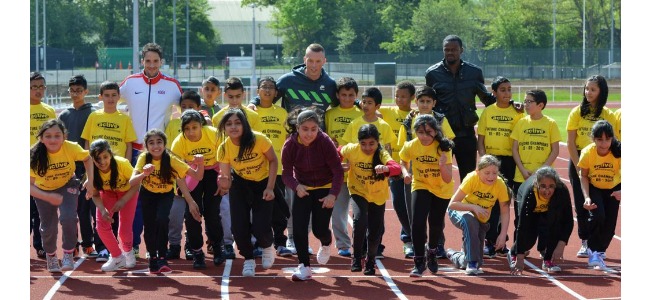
[[66, 214]]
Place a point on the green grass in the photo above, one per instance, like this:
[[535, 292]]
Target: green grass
[[560, 115]]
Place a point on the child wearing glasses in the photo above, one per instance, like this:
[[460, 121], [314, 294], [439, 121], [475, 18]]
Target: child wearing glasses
[[536, 140]]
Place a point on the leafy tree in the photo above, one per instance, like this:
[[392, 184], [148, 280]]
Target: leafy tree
[[297, 21]]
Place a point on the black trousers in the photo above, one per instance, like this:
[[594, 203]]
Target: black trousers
[[367, 218], [209, 207], [304, 208], [582, 215], [155, 217], [602, 220], [427, 207]]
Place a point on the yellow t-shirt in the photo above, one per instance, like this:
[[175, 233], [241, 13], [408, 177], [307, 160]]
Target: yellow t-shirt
[[617, 124], [360, 176], [604, 171], [426, 169], [535, 138], [496, 124], [124, 171], [337, 120], [583, 126], [542, 204], [60, 167], [482, 194], [395, 118], [173, 129], [38, 114], [206, 146], [251, 115], [272, 121], [154, 182], [446, 131], [116, 128], [386, 135], [254, 166]]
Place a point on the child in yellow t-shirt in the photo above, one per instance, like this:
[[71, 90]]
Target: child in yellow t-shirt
[[536, 140], [235, 94], [370, 165], [600, 180], [426, 165], [157, 194], [469, 210], [494, 128], [401, 194], [250, 183], [55, 189], [210, 90], [370, 102], [337, 121]]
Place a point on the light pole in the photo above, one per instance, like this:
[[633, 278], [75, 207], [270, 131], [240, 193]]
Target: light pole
[[136, 37], [174, 40], [253, 77], [36, 29], [44, 41], [153, 20], [554, 24]]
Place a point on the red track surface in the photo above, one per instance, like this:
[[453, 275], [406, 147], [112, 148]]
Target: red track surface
[[335, 280]]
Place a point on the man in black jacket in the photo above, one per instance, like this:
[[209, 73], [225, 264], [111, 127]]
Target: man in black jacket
[[457, 83]]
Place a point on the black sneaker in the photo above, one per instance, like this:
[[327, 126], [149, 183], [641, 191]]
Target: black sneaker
[[503, 252], [370, 267], [40, 253], [419, 267], [228, 252], [356, 264], [189, 254], [174, 252], [218, 258], [489, 251], [432, 260], [153, 266], [163, 266], [440, 253], [199, 260], [380, 251]]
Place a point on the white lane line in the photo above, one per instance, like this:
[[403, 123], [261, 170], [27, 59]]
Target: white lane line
[[225, 280], [555, 281], [61, 280]]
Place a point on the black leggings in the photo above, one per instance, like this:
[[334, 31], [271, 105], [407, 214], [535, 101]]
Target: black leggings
[[209, 207], [582, 215], [303, 209], [155, 217], [367, 217], [602, 220], [427, 206]]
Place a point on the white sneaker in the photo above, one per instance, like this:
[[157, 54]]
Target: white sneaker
[[53, 264], [584, 250], [301, 273], [129, 259], [114, 263], [249, 268], [291, 246], [323, 255], [268, 257], [596, 260], [67, 262]]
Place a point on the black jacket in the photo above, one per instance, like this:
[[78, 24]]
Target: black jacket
[[457, 94], [559, 214]]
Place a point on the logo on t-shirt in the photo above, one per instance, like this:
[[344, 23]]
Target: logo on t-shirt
[[427, 159], [534, 131], [502, 118], [40, 116], [59, 165]]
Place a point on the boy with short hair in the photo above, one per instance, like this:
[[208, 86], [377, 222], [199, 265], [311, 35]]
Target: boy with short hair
[[536, 140], [39, 113], [401, 194], [74, 119], [235, 94], [337, 120], [370, 102]]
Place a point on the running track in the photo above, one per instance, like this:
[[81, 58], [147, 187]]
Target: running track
[[335, 280]]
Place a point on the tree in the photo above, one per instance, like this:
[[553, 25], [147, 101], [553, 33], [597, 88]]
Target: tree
[[297, 21]]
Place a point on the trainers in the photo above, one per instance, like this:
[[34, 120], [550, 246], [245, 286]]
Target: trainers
[[268, 257], [114, 263], [163, 266], [408, 250], [432, 260], [440, 253], [53, 264], [472, 268], [218, 259], [129, 258], [136, 251], [40, 253], [153, 266], [419, 267], [503, 252], [370, 267], [210, 247], [345, 252], [489, 251], [584, 250], [147, 255], [228, 252], [323, 255], [512, 260], [174, 252], [283, 251], [380, 251], [249, 268], [356, 264], [189, 254], [301, 273], [257, 252], [67, 262], [550, 267], [291, 246], [596, 261], [603, 255], [90, 252], [199, 260], [102, 256]]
